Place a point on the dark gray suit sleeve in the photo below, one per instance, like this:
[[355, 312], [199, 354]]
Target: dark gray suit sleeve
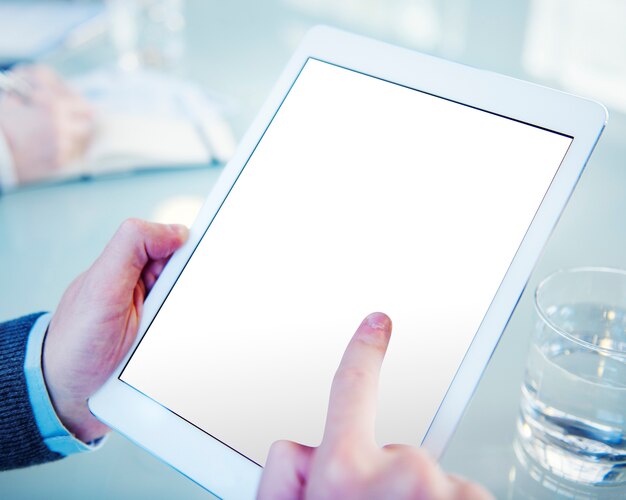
[[21, 443]]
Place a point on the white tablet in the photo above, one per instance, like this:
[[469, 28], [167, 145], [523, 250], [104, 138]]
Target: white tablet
[[374, 178]]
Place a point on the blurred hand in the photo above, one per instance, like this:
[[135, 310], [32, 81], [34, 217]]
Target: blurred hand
[[47, 130], [349, 464], [98, 317]]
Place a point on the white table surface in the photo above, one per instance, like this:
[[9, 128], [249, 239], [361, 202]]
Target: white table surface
[[49, 234]]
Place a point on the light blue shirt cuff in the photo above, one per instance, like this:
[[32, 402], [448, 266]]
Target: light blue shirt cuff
[[8, 176], [54, 433]]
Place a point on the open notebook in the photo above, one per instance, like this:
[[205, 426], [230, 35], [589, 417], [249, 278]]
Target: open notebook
[[145, 120]]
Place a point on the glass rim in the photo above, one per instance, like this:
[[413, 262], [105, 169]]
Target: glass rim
[[573, 270]]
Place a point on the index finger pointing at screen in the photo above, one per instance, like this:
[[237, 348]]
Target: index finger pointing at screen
[[353, 396]]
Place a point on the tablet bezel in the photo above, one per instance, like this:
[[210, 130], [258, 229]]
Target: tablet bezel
[[223, 470]]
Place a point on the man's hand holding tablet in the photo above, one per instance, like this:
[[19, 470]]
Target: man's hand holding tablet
[[96, 323], [97, 319], [349, 463]]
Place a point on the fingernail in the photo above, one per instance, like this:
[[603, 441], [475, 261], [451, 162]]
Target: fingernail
[[378, 321]]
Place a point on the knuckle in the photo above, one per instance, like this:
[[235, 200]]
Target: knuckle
[[342, 471], [352, 375], [418, 472], [471, 491], [409, 463], [337, 477], [281, 449], [132, 226]]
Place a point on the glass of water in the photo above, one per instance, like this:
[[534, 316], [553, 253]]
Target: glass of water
[[573, 406]]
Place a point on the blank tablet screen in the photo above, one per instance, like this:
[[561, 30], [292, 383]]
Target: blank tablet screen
[[362, 195]]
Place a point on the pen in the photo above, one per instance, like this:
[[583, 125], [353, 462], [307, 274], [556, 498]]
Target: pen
[[9, 82]]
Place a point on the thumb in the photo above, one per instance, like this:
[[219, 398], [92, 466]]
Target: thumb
[[136, 243]]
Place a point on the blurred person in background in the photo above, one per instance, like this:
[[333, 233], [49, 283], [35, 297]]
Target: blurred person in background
[[44, 124]]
